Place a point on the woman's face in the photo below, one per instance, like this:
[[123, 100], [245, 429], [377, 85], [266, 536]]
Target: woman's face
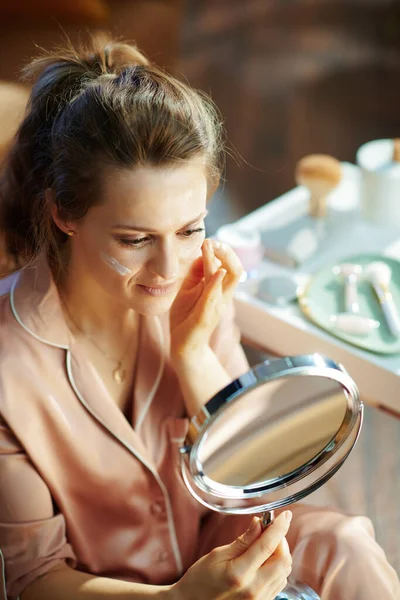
[[138, 245]]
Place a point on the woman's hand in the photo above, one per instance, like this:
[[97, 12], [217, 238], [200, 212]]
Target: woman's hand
[[195, 313], [203, 297], [255, 566]]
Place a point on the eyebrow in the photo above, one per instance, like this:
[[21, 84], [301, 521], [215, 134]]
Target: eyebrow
[[145, 230]]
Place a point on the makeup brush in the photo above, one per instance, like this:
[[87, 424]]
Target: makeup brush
[[320, 173], [379, 274]]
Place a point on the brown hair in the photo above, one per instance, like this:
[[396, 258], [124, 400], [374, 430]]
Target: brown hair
[[101, 105]]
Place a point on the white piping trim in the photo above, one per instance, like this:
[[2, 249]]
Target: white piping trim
[[18, 319], [171, 524], [154, 389], [3, 572]]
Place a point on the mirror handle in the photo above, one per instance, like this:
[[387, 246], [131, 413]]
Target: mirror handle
[[267, 518]]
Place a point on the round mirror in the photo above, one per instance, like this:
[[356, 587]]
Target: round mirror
[[272, 436]]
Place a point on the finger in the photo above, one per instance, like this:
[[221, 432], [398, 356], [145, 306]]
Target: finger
[[283, 548], [277, 587], [211, 300], [210, 265], [271, 579], [195, 273], [240, 545], [283, 553], [276, 569], [197, 268], [265, 546], [231, 262]]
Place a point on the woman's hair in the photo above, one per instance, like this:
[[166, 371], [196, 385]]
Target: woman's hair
[[105, 105]]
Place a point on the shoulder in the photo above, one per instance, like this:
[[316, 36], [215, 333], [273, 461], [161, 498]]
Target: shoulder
[[10, 331], [6, 283], [7, 321], [21, 355]]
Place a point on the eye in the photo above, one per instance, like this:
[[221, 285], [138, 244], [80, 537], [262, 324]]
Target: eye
[[137, 243], [191, 232]]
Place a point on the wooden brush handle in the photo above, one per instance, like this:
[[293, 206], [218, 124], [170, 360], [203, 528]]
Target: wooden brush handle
[[396, 150], [318, 205]]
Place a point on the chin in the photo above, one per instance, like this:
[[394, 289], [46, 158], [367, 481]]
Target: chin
[[153, 307]]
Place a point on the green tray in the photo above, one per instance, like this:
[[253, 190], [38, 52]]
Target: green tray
[[324, 296]]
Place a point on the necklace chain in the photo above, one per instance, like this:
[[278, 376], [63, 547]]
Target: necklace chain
[[118, 373]]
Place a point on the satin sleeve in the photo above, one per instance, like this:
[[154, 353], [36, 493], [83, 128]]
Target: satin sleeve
[[32, 535]]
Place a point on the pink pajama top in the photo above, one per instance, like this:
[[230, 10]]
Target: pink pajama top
[[81, 483]]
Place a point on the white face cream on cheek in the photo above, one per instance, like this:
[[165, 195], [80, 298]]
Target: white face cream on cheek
[[186, 252], [115, 265]]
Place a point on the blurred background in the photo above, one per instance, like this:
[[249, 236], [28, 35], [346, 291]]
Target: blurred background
[[291, 77]]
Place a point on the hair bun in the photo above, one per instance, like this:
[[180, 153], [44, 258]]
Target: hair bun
[[61, 75], [76, 66], [111, 57], [119, 56]]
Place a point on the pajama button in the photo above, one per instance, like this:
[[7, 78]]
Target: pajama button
[[162, 556], [157, 509]]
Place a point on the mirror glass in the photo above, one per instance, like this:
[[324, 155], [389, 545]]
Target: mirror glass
[[273, 430]]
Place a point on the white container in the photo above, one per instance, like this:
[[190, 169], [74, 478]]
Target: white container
[[380, 183], [246, 242]]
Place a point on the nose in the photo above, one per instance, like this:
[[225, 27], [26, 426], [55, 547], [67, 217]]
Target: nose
[[164, 262]]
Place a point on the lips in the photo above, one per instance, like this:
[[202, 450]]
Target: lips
[[156, 290]]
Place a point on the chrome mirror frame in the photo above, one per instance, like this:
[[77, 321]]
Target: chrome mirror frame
[[280, 491]]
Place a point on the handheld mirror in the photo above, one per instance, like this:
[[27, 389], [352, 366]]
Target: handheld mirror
[[272, 436]]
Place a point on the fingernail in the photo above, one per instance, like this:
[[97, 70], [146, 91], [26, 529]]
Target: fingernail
[[223, 272], [217, 244], [288, 515]]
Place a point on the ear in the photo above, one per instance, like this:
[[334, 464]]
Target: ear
[[66, 226]]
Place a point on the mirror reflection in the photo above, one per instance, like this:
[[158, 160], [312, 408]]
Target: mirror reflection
[[272, 430]]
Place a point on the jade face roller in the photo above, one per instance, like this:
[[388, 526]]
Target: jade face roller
[[350, 321], [350, 273], [379, 274]]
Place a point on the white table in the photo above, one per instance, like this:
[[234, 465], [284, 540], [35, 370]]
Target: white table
[[285, 330]]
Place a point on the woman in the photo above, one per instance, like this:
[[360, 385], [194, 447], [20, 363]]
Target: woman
[[118, 329]]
